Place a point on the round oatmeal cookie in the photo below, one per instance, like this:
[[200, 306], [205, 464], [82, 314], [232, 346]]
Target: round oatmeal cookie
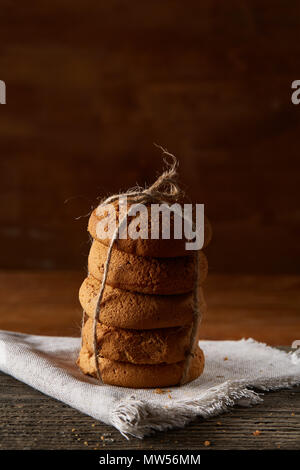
[[131, 310], [167, 345], [167, 276], [157, 248], [124, 374]]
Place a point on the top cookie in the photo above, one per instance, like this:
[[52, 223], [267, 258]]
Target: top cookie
[[157, 248]]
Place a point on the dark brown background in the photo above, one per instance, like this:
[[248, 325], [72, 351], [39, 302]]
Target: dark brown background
[[92, 84]]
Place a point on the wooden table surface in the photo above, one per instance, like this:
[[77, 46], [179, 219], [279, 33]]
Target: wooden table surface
[[31, 420], [266, 308]]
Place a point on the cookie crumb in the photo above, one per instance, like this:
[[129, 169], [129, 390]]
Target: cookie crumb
[[219, 423], [225, 358], [170, 396], [159, 391], [256, 433], [73, 430], [292, 414], [206, 443]]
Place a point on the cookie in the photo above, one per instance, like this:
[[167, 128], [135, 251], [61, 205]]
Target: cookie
[[131, 310], [164, 276], [155, 346], [124, 374], [160, 248]]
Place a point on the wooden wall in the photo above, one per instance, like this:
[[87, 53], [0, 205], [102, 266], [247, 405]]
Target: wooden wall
[[92, 84]]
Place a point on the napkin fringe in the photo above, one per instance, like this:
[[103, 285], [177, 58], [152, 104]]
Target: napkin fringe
[[137, 418]]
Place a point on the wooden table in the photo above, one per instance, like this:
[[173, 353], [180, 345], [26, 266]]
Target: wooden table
[[31, 420], [266, 308]]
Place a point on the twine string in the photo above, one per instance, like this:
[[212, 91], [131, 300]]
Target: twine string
[[164, 190], [82, 325], [105, 274], [195, 326]]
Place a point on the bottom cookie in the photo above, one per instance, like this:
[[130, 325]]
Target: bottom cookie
[[124, 374]]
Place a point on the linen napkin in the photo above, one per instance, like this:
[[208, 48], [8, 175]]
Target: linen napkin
[[233, 369]]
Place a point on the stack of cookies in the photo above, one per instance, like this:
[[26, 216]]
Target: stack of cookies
[[146, 317]]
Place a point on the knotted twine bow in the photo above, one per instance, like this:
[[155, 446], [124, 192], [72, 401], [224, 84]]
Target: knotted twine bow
[[164, 190]]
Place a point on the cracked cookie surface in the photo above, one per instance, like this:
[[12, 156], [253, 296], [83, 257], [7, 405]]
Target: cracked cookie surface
[[164, 345], [164, 276], [131, 310]]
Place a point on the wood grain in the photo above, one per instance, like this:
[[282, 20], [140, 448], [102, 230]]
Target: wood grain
[[263, 307], [91, 85], [31, 420]]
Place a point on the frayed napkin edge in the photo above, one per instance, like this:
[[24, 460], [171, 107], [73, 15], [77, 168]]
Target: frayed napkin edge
[[137, 418]]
